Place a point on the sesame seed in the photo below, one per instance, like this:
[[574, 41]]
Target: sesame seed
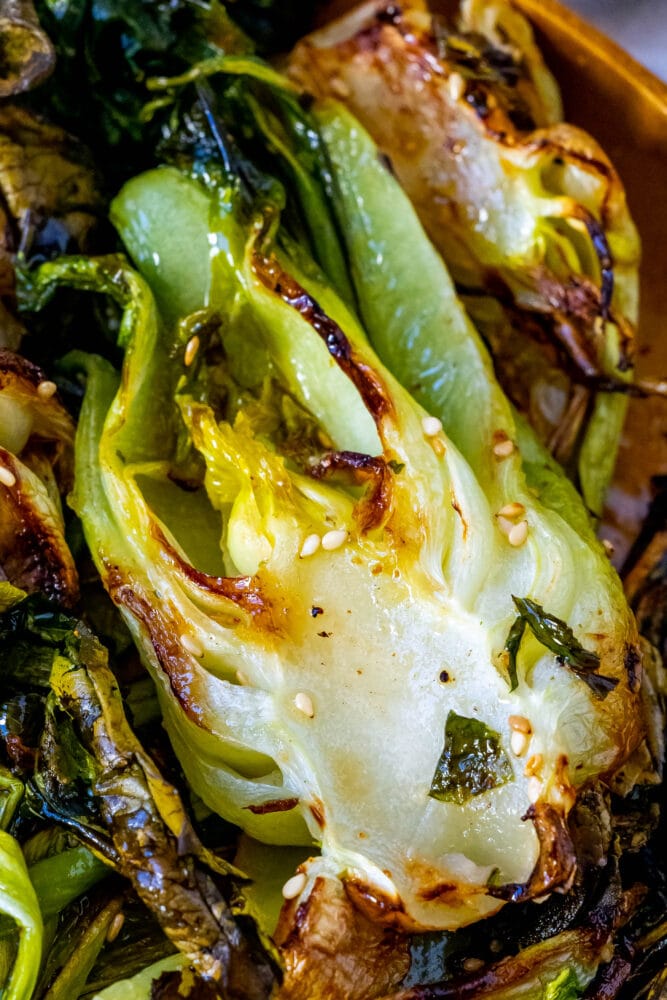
[[473, 964], [46, 389], [190, 644], [608, 547], [457, 86], [519, 743], [294, 886], [218, 910], [7, 477], [310, 546], [333, 540], [503, 447], [304, 703], [518, 534], [115, 927], [504, 524], [534, 788], [431, 426], [511, 510], [520, 724], [191, 349]]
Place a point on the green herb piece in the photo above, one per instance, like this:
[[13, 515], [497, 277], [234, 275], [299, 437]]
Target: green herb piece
[[560, 640], [512, 648], [472, 761], [396, 467]]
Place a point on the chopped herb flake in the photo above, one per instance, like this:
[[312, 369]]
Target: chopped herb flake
[[472, 761], [512, 648], [560, 640]]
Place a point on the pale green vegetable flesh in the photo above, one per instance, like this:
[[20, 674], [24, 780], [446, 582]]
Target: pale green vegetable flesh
[[140, 986], [19, 902], [306, 694]]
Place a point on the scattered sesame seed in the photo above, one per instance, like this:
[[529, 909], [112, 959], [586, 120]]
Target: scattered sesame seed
[[431, 426], [504, 524], [7, 477], [457, 86], [310, 546], [294, 886], [503, 446], [191, 349], [304, 703], [218, 910], [519, 743], [46, 389], [520, 724], [511, 510], [333, 540], [473, 964], [518, 534], [534, 788], [189, 643], [115, 927], [608, 547]]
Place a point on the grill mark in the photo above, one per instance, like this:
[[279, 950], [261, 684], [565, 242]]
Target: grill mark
[[163, 633], [273, 806], [556, 862], [33, 555], [362, 376], [243, 591], [372, 511]]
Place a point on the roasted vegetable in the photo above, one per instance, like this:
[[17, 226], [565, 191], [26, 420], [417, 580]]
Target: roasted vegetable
[[27, 52], [276, 700], [36, 454], [93, 775], [517, 202]]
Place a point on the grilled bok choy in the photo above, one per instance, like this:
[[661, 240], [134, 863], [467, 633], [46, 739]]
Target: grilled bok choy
[[364, 637], [382, 636], [522, 206]]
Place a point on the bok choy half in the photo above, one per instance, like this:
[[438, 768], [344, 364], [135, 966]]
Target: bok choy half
[[351, 602]]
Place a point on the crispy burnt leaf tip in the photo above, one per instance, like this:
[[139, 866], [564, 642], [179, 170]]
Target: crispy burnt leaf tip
[[26, 53], [94, 776], [472, 761], [560, 640]]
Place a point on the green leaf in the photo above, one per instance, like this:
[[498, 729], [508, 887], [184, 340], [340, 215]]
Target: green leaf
[[9, 595], [560, 640], [564, 987], [472, 761]]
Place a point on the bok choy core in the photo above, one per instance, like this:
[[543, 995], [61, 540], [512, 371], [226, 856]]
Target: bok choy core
[[320, 572]]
